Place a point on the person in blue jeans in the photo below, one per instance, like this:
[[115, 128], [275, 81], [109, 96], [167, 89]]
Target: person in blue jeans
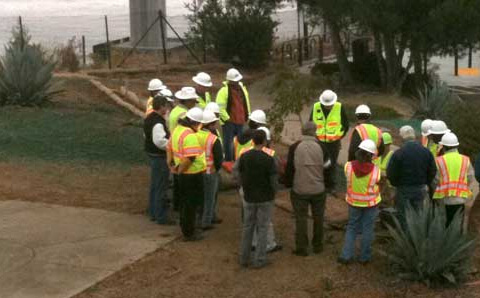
[[156, 139], [363, 197]]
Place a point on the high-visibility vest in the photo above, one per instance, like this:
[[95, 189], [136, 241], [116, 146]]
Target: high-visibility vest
[[453, 168], [369, 131], [384, 160], [184, 143], [202, 103], [177, 112], [222, 101], [207, 140], [266, 150], [149, 108], [434, 148], [329, 129], [362, 191], [237, 147], [424, 141]]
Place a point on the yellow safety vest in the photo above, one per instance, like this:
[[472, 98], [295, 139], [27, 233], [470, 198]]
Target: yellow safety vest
[[434, 148], [184, 143], [384, 161], [329, 129], [149, 108], [362, 191], [453, 168], [369, 131], [222, 101], [202, 103], [266, 150], [207, 140], [238, 148], [178, 112]]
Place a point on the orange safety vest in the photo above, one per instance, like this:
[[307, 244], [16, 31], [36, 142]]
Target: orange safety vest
[[453, 168], [238, 148], [266, 150], [362, 191], [207, 140], [369, 131]]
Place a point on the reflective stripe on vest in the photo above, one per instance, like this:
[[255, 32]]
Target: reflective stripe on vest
[[370, 131], [237, 147], [207, 140], [329, 129], [184, 148], [453, 168], [269, 151], [149, 108], [362, 191]]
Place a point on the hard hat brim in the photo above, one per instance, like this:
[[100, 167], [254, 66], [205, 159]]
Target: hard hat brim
[[440, 133], [449, 145], [199, 82], [157, 89], [328, 104], [236, 79], [211, 121], [426, 134], [259, 122], [180, 96]]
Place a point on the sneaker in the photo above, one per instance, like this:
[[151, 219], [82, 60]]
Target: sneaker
[[277, 247]]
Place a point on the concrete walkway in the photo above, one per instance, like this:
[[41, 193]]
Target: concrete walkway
[[55, 251]]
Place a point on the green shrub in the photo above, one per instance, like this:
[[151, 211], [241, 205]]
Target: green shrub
[[240, 31], [25, 73], [427, 251], [433, 100]]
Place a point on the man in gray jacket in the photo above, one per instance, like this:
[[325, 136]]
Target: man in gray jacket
[[305, 174]]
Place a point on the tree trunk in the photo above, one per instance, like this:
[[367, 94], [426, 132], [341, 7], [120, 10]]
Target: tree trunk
[[455, 52], [342, 59], [379, 55], [416, 54], [425, 64], [391, 61]]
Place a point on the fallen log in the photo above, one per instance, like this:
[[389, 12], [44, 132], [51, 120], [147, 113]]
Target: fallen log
[[132, 98]]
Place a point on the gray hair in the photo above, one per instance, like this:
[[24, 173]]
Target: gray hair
[[309, 129], [407, 133]]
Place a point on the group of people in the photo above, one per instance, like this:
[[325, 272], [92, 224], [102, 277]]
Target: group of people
[[191, 137]]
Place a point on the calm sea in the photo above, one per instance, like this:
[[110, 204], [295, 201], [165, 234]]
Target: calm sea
[[54, 22]]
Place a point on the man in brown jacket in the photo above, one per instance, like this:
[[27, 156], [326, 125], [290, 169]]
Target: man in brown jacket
[[305, 174]]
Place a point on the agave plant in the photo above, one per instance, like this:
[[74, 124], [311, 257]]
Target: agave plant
[[434, 99], [25, 74], [428, 251]]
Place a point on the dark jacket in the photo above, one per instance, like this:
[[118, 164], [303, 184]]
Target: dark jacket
[[355, 142], [477, 168], [148, 125], [257, 171], [411, 165]]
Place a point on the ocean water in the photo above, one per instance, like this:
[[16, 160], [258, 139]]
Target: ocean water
[[54, 22]]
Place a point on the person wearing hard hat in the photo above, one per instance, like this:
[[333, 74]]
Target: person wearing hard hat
[[187, 99], [214, 156], [365, 130], [411, 171], [243, 141], [213, 107], [256, 174], [425, 127], [156, 138], [436, 132], [384, 159], [332, 125], [234, 102], [187, 160], [454, 178], [167, 93], [203, 83], [363, 197], [154, 86]]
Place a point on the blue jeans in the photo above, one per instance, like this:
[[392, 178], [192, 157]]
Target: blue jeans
[[210, 188], [359, 219], [230, 130], [257, 216], [158, 203]]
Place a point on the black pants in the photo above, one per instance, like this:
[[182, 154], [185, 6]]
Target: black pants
[[176, 193], [451, 210], [191, 198], [300, 205], [333, 150]]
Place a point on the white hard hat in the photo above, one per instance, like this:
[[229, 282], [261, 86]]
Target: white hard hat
[[267, 132], [167, 94], [186, 93], [369, 146], [426, 125], [438, 128], [212, 106], [155, 85], [450, 140], [362, 109], [195, 114], [209, 117], [328, 98], [203, 79], [258, 116], [233, 75]]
